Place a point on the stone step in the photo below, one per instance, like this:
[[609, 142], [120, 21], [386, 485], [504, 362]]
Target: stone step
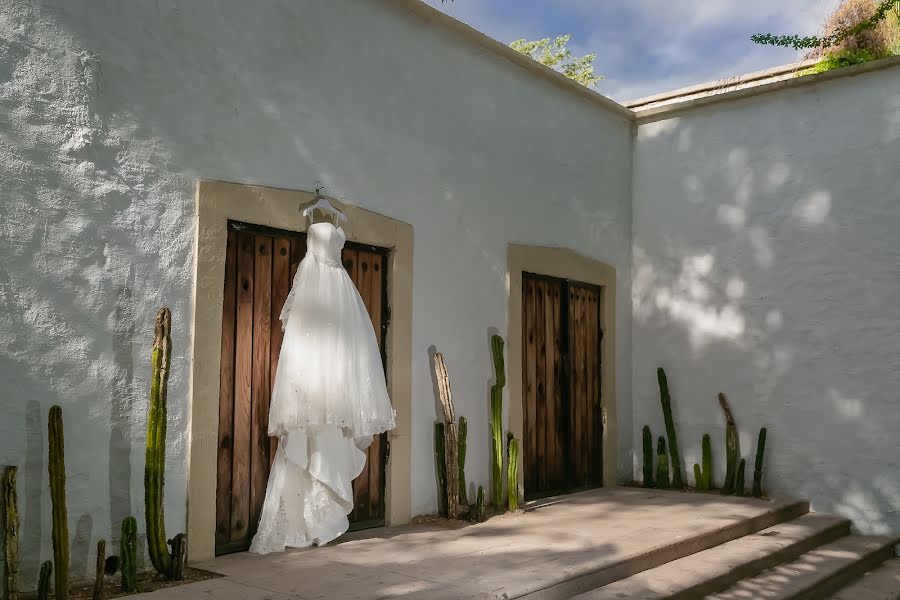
[[717, 568], [817, 573], [881, 584], [571, 581]]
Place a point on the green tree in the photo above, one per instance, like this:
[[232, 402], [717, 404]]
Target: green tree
[[554, 53], [884, 10]]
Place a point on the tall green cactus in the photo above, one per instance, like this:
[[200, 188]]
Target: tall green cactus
[[155, 464], [10, 533], [648, 457], [57, 471], [128, 550], [43, 590], [731, 446], [440, 467], [461, 459], [666, 402], [480, 511], [497, 422], [758, 467], [662, 465], [512, 475], [706, 449], [739, 478]]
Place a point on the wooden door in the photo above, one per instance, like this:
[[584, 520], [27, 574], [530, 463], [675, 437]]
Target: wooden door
[[561, 385], [260, 265]]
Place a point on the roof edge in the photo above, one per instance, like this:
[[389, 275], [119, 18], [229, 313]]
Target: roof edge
[[665, 111], [438, 18]]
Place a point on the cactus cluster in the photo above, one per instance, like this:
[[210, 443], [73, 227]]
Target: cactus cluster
[[497, 421], [57, 471], [666, 401]]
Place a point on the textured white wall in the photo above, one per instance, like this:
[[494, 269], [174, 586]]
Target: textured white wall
[[111, 111], [767, 266]]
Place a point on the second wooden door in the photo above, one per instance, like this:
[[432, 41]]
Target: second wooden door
[[563, 433]]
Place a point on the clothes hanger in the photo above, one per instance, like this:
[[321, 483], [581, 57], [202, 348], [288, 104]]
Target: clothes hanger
[[322, 203]]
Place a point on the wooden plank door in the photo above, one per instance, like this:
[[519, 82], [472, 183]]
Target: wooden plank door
[[260, 265], [562, 445]]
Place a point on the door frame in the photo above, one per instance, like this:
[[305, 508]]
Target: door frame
[[563, 263], [217, 203]]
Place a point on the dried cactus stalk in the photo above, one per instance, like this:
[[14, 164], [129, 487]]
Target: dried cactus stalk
[[666, 401], [57, 471], [698, 478], [731, 446], [43, 591], [128, 550], [179, 549], [497, 421], [758, 467], [99, 570], [10, 533], [648, 457], [451, 439], [461, 458]]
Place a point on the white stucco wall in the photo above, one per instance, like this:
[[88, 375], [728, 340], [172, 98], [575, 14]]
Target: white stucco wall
[[767, 266], [111, 111]]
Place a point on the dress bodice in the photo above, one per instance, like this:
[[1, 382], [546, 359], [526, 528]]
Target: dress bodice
[[325, 242]]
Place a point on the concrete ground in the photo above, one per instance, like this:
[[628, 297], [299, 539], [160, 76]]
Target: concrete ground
[[593, 537]]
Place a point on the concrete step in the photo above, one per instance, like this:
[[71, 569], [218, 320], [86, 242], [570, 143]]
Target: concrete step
[[717, 568], [881, 584], [817, 573], [571, 581]]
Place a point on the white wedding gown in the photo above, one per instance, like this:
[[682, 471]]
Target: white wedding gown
[[328, 401]]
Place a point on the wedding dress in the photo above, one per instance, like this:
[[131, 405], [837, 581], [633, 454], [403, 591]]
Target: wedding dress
[[328, 401]]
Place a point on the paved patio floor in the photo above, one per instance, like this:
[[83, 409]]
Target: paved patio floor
[[507, 557]]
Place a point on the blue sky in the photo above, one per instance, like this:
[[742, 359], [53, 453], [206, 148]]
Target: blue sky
[[649, 46]]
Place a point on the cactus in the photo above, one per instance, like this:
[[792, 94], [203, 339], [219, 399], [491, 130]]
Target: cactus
[[155, 465], [98, 572], [57, 471], [757, 469], [497, 421], [698, 478], [128, 550], [461, 458], [731, 446], [648, 457], [43, 590], [739, 478], [512, 475], [480, 511], [666, 401], [662, 466], [451, 439], [440, 467], [706, 449], [10, 533]]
